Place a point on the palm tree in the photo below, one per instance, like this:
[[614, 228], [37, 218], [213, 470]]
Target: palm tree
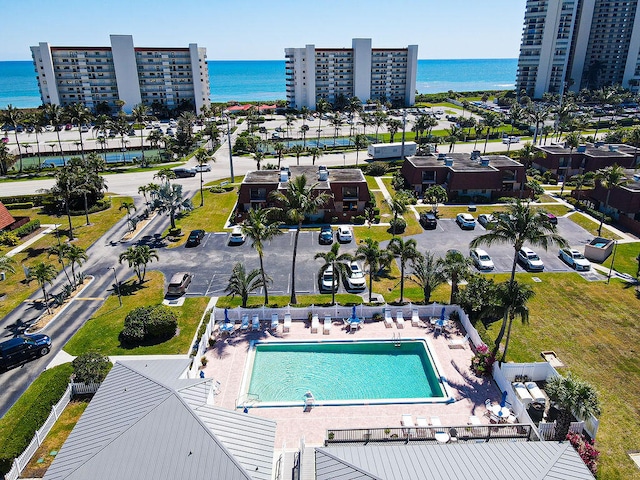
[[610, 178], [633, 138], [54, 115], [478, 129], [455, 133], [379, 120], [297, 150], [147, 189], [393, 125], [315, 153], [427, 273], [373, 257], [490, 121], [516, 115], [258, 228], [169, 199], [573, 396], [336, 123], [76, 256], [322, 106], [44, 273], [288, 120], [14, 117], [202, 157], [296, 203], [527, 154], [6, 264], [360, 141], [537, 114], [64, 189], [137, 258], [128, 206], [517, 225], [81, 115], [242, 284], [572, 140], [404, 250], [398, 206], [140, 114], [513, 298], [279, 148], [455, 267], [37, 122], [61, 251], [165, 175], [303, 130], [339, 264]]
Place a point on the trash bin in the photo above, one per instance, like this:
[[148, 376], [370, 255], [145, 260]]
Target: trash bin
[[3, 276]]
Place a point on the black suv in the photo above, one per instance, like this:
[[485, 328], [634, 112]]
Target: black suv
[[428, 220], [195, 237], [23, 347]]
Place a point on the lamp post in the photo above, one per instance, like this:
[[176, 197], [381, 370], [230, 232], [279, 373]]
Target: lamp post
[[230, 153], [613, 259], [117, 285]]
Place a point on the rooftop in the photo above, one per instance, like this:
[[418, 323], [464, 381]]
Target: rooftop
[[346, 175], [463, 162], [602, 150]]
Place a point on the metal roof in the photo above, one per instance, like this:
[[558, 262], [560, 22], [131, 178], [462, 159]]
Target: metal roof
[[500, 460], [138, 428]]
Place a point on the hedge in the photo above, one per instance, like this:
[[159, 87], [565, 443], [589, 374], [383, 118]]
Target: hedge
[[19, 206], [27, 228], [30, 412], [36, 199]]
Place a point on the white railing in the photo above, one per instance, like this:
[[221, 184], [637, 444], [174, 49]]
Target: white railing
[[203, 344], [547, 430], [23, 459]]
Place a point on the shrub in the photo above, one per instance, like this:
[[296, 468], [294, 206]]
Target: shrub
[[29, 413], [9, 239], [36, 199], [377, 169], [27, 228], [19, 206], [482, 362], [586, 450], [376, 219], [151, 323], [90, 367], [359, 220], [397, 225]]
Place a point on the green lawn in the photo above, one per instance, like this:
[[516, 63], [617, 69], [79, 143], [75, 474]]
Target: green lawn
[[277, 301], [14, 288], [591, 226], [626, 258], [381, 203], [371, 182], [100, 332], [594, 328]]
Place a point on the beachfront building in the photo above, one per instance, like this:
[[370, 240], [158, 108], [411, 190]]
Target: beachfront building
[[467, 177], [576, 44], [376, 74], [122, 73]]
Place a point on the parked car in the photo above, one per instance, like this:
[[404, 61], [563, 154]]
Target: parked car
[[530, 260], [170, 132], [112, 134], [195, 237], [49, 128], [466, 220], [344, 234], [205, 167], [481, 259], [179, 283], [356, 280], [326, 235], [553, 220], [486, 220], [574, 259], [428, 220], [327, 282], [23, 347], [236, 237], [182, 172], [84, 128], [68, 126]]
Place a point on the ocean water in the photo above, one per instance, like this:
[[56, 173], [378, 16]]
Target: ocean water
[[263, 80]]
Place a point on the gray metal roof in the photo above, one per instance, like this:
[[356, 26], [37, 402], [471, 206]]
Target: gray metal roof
[[137, 428], [504, 460]]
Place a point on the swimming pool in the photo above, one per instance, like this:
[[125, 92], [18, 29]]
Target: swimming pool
[[342, 373]]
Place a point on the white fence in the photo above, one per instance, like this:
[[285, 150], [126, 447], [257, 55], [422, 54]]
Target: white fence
[[23, 459]]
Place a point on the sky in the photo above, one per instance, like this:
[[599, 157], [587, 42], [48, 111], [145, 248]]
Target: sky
[[262, 29]]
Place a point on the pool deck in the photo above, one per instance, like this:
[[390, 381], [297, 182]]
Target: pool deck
[[226, 363]]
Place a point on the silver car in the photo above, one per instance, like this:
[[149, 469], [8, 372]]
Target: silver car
[[574, 259], [481, 259]]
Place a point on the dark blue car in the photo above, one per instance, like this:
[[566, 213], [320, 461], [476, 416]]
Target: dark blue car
[[326, 235]]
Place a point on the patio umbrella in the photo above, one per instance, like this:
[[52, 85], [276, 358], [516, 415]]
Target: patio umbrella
[[226, 315], [504, 399], [442, 313], [353, 312]]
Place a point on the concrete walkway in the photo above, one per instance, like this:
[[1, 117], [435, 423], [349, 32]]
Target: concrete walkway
[[32, 240]]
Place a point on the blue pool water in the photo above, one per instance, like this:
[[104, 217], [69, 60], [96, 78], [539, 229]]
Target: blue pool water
[[344, 372]]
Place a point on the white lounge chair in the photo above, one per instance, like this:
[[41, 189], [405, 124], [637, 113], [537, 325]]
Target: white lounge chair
[[244, 326], [475, 421], [399, 319], [274, 321], [388, 321], [522, 393], [462, 342], [435, 421], [287, 322], [255, 322], [423, 425], [415, 318], [407, 422], [535, 392], [326, 327], [315, 322]]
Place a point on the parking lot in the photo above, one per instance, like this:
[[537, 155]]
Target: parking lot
[[212, 261]]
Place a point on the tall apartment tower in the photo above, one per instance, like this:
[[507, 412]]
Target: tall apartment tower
[[576, 44], [122, 72], [384, 74]]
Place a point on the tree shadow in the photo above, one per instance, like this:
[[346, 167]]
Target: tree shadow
[[18, 327], [35, 252], [128, 288], [474, 388]]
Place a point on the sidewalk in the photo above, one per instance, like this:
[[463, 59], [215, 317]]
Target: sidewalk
[[32, 240]]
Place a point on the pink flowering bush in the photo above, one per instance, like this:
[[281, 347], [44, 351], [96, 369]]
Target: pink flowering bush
[[585, 449], [482, 362]]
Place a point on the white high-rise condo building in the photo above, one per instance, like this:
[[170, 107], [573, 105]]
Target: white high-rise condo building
[[576, 44], [338, 74], [152, 76]]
